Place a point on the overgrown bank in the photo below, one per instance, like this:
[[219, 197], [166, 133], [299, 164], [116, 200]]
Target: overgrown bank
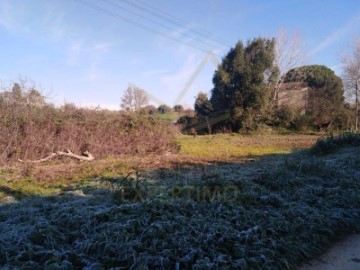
[[31, 129]]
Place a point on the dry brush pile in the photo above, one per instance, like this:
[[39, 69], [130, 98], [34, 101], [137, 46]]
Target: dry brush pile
[[31, 129]]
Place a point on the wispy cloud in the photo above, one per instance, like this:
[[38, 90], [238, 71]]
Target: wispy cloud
[[93, 73], [6, 20], [187, 42], [95, 54], [80, 51], [54, 19], [102, 47], [176, 82], [155, 72], [74, 51], [336, 35], [11, 14]]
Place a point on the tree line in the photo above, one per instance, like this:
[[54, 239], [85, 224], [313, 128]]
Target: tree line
[[245, 92], [136, 99]]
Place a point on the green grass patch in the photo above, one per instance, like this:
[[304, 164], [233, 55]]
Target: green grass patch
[[169, 116], [230, 146]]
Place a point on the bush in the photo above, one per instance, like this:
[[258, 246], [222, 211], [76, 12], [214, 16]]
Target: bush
[[284, 117], [150, 109], [302, 123], [330, 144], [194, 125], [31, 131], [164, 109], [178, 108]]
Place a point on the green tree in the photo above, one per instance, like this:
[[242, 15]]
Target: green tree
[[178, 108], [202, 105], [163, 108], [242, 83], [150, 109], [326, 97]]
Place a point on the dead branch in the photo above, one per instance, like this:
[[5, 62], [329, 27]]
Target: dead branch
[[87, 156]]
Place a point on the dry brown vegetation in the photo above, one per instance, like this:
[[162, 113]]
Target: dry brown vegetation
[[32, 129]]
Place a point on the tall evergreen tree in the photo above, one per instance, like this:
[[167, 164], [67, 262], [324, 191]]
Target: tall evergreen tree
[[241, 83], [326, 98]]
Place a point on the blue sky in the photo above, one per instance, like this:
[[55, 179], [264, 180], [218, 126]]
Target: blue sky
[[88, 56]]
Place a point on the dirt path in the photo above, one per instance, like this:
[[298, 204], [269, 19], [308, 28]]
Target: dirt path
[[344, 255]]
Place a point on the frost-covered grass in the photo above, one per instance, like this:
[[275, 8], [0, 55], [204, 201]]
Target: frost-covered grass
[[273, 213], [330, 144]]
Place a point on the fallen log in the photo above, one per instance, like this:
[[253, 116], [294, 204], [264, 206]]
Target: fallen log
[[86, 156]]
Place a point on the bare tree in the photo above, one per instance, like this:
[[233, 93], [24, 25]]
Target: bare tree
[[351, 75], [134, 98], [289, 54]]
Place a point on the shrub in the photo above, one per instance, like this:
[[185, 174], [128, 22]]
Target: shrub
[[164, 109], [31, 131], [302, 123], [150, 109], [194, 125], [330, 144], [178, 108], [284, 117]]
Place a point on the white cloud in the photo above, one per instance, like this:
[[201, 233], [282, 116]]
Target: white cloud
[[80, 50], [102, 47], [154, 72]]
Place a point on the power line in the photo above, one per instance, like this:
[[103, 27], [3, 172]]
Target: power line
[[158, 23], [139, 25], [175, 21]]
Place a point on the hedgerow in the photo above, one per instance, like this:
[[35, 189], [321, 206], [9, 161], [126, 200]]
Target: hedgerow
[[32, 128]]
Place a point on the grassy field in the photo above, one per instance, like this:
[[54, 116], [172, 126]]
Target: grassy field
[[51, 178], [224, 147], [222, 202]]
